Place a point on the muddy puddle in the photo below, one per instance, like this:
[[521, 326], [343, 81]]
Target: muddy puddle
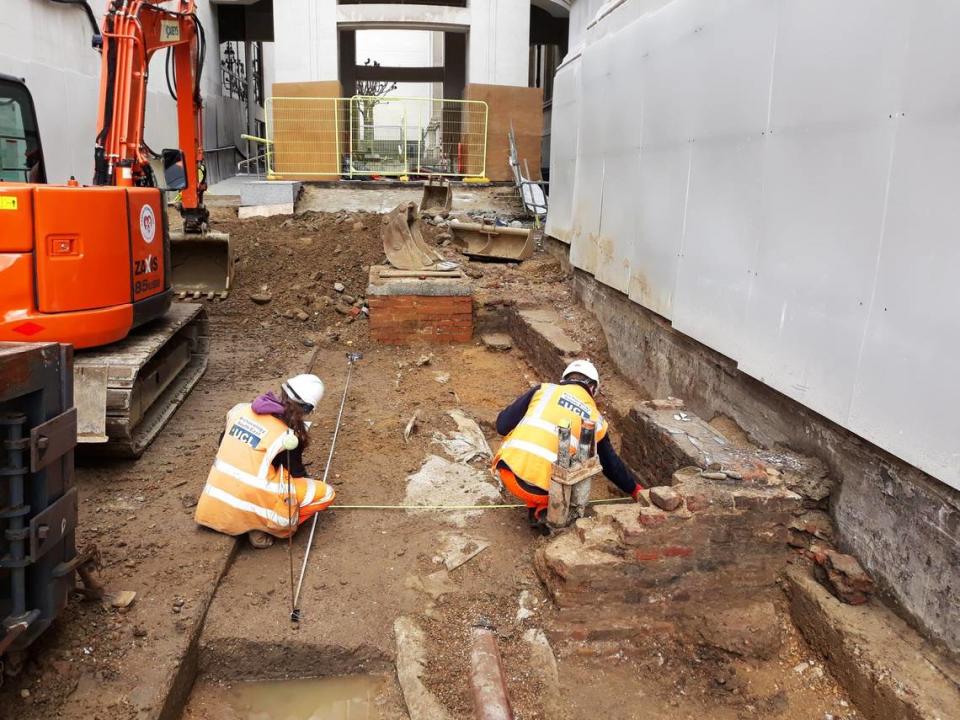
[[339, 698]]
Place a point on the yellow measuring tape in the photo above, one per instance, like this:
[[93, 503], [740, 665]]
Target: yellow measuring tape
[[456, 507]]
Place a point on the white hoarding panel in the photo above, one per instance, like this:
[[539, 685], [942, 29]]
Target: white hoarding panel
[[823, 208], [721, 242], [564, 146], [660, 198], [619, 220], [793, 199], [732, 61], [931, 85], [588, 197], [908, 383], [839, 63]]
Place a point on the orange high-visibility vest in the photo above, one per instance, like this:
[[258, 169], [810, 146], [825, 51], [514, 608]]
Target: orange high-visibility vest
[[530, 451], [245, 492]]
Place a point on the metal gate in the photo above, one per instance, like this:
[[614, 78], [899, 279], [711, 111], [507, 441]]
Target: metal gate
[[324, 138]]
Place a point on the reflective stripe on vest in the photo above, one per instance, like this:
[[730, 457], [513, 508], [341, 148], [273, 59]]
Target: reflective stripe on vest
[[243, 505], [531, 449]]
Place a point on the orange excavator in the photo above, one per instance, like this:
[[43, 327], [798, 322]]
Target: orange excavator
[[91, 265]]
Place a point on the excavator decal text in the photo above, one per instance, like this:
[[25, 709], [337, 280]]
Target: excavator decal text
[[169, 31]]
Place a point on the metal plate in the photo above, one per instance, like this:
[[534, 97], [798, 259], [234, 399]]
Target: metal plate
[[90, 397], [49, 441], [49, 527]]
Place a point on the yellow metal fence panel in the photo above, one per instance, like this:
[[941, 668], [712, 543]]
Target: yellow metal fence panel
[[323, 138]]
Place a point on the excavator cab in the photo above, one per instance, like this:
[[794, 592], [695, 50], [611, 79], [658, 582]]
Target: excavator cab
[[21, 153], [89, 266]]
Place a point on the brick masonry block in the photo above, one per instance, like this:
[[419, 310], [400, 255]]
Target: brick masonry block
[[408, 319]]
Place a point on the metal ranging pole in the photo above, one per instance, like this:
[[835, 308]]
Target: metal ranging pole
[[352, 359]]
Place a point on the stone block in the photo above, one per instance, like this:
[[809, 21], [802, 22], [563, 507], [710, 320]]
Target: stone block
[[269, 192], [546, 322], [750, 631], [665, 498]]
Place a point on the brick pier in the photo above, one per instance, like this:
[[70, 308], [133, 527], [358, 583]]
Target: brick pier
[[407, 310]]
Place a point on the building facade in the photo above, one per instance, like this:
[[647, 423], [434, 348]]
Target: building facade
[[49, 45]]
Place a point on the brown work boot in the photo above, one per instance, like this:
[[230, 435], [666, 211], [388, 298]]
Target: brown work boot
[[259, 539]]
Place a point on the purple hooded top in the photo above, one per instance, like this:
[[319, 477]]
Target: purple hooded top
[[267, 404]]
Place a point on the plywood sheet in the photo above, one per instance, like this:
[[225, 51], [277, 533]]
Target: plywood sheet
[[521, 106]]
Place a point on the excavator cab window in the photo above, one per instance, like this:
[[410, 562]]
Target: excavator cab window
[[21, 154], [174, 170]]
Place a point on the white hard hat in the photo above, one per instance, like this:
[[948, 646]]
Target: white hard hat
[[305, 389], [585, 368]]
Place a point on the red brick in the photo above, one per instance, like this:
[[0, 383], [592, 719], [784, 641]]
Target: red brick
[[652, 520], [677, 551], [648, 555], [696, 502]]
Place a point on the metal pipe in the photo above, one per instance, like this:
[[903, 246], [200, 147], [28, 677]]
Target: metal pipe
[[351, 360], [563, 446], [585, 451], [490, 698]]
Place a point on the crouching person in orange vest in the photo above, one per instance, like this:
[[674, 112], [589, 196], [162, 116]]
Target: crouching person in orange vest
[[258, 484], [526, 457]]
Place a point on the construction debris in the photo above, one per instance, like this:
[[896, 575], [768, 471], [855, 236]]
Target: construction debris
[[466, 442], [411, 667], [411, 425], [435, 584], [665, 498], [459, 549], [489, 682], [440, 482], [807, 529], [121, 598], [842, 575]]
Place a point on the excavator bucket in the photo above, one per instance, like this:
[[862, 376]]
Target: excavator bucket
[[403, 242], [437, 197], [492, 242], [202, 263]]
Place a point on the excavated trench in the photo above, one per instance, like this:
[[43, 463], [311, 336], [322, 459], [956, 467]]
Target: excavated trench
[[633, 613], [636, 612]]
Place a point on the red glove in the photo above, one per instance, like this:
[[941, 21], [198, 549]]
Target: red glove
[[637, 493]]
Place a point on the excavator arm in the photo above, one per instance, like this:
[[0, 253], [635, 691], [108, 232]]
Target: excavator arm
[[133, 32]]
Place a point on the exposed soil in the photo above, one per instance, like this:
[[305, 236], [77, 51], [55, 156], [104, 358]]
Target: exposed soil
[[100, 662]]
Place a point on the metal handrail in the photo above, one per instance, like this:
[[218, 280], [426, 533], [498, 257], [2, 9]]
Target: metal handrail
[[225, 148], [262, 160]]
